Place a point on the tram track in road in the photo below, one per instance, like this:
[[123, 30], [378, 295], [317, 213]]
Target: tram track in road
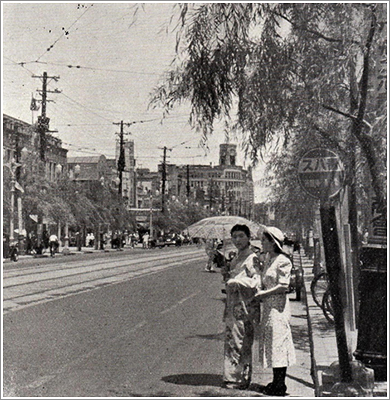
[[126, 257], [29, 288]]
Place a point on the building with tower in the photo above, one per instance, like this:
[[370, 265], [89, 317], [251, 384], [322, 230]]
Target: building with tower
[[226, 189]]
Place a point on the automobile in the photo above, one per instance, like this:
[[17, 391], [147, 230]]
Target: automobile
[[170, 241], [163, 241]]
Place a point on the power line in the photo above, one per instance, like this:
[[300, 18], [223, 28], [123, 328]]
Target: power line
[[90, 68], [81, 105], [65, 33]]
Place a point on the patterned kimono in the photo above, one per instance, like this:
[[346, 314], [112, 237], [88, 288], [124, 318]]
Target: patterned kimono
[[275, 343], [241, 314]]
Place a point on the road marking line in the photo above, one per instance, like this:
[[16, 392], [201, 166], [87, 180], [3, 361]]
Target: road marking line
[[166, 311]]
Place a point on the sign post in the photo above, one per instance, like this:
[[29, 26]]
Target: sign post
[[321, 175]]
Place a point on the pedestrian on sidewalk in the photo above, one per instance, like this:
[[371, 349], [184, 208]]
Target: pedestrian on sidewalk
[[275, 342], [241, 313]]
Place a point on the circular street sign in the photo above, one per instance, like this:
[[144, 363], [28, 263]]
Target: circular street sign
[[321, 173]]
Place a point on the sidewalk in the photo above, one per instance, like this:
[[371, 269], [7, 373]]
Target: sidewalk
[[324, 338]]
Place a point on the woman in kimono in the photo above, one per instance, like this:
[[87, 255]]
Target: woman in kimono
[[275, 343], [241, 311]]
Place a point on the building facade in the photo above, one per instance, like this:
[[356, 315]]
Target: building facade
[[20, 138], [148, 185], [89, 169], [226, 189]]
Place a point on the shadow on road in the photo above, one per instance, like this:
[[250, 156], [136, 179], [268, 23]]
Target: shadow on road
[[194, 379], [303, 382], [211, 336], [115, 393], [300, 337]]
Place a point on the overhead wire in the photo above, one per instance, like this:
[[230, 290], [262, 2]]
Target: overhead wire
[[66, 31], [91, 68], [22, 64]]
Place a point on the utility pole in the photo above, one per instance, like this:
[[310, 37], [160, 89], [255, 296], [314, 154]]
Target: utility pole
[[151, 216], [43, 120], [121, 158], [211, 193], [20, 189], [188, 181], [164, 177], [43, 127]]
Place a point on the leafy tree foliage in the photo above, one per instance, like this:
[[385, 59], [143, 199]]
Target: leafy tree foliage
[[282, 69], [78, 204], [180, 215]]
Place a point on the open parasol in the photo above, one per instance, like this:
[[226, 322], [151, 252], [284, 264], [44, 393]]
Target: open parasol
[[219, 227]]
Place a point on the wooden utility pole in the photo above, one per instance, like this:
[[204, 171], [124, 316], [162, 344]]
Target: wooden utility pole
[[43, 120], [211, 193], [164, 177], [121, 159], [188, 181], [43, 128], [333, 268]]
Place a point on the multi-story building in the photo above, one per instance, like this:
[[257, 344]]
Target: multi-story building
[[20, 137], [148, 185], [226, 188], [90, 169]]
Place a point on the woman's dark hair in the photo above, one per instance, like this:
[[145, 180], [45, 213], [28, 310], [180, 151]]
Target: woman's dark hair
[[272, 240], [242, 228]]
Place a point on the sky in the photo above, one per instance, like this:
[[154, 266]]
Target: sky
[[109, 57]]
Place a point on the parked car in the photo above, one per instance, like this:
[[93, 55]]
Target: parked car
[[170, 240], [163, 241]]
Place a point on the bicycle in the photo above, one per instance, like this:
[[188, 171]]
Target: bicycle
[[318, 287], [327, 307], [320, 291]]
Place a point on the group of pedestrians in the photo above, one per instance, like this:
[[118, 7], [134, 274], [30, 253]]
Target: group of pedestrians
[[256, 293]]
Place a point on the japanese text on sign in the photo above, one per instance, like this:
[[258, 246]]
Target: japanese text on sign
[[323, 164]]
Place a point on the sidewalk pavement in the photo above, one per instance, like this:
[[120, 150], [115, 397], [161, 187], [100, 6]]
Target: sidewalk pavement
[[324, 340], [299, 380]]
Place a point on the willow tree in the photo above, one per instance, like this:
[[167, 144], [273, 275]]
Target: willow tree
[[277, 70]]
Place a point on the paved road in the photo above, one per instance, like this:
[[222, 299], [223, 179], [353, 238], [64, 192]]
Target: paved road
[[147, 323], [35, 283]]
